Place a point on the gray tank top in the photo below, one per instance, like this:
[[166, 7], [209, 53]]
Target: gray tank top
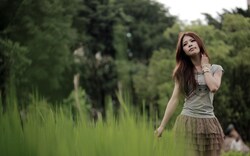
[[200, 102]]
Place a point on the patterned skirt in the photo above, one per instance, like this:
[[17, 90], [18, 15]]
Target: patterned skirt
[[201, 136]]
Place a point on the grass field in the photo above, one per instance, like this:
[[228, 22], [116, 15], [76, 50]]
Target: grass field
[[52, 132]]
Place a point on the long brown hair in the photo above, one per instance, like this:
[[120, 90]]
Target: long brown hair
[[184, 69]]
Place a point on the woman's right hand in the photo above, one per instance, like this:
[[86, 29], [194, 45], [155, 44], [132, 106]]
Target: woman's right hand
[[159, 131]]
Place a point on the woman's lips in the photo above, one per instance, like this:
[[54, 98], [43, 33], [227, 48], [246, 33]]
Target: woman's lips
[[191, 49]]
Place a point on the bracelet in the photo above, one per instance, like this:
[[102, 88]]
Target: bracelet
[[206, 65], [205, 69], [206, 72]]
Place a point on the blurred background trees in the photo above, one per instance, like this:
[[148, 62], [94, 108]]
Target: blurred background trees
[[126, 45]]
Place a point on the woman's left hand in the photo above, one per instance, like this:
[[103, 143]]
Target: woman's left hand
[[159, 131]]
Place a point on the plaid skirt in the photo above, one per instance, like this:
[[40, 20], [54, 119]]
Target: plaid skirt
[[202, 136]]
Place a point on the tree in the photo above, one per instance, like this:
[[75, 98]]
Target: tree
[[13, 62], [217, 23], [110, 28], [44, 28], [238, 35], [150, 19], [99, 79]]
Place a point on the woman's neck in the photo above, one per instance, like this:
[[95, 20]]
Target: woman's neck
[[196, 62]]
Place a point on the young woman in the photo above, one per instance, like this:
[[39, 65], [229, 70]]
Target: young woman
[[198, 80]]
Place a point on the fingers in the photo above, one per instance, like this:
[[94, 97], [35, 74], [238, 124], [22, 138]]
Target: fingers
[[204, 59], [157, 133], [204, 55]]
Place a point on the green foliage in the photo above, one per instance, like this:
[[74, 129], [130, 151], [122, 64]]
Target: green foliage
[[70, 101], [97, 24], [149, 20], [217, 22], [99, 79], [140, 81], [13, 64], [124, 71], [212, 21], [14, 59], [96, 21], [44, 29], [171, 37], [124, 68], [154, 84], [238, 33], [238, 36], [120, 42], [159, 73]]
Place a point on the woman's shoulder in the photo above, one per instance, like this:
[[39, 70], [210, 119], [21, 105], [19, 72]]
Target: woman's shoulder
[[216, 67]]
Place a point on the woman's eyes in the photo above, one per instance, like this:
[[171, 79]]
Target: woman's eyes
[[186, 43]]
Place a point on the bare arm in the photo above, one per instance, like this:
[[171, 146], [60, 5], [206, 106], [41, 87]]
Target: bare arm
[[213, 81], [171, 106]]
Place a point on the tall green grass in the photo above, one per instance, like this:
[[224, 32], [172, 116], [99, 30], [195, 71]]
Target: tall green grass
[[46, 131]]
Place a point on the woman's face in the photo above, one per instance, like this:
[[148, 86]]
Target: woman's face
[[190, 46]]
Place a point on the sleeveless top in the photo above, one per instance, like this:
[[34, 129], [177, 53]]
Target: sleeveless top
[[200, 102]]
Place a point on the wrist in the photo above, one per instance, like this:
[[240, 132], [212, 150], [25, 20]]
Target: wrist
[[206, 72], [206, 65], [206, 68]]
